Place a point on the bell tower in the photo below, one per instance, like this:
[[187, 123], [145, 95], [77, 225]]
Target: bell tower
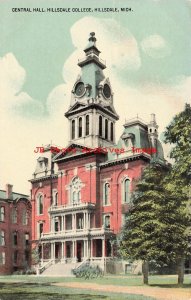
[[91, 114]]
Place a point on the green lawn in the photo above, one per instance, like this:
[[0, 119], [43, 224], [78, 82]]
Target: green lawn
[[26, 287]]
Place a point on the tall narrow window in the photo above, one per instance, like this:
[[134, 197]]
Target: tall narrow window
[[2, 238], [40, 229], [40, 205], [87, 125], [14, 215], [2, 213], [15, 239], [111, 132], [76, 190], [126, 190], [100, 126], [107, 222], [56, 226], [106, 193], [26, 239], [2, 258], [56, 199], [25, 217], [73, 129], [106, 129], [80, 127]]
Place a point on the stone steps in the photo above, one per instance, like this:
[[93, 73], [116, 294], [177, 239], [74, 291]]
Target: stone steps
[[60, 269]]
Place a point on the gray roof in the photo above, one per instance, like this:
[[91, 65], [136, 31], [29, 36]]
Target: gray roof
[[14, 195]]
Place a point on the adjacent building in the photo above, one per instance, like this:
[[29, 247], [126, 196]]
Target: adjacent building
[[15, 231], [81, 195]]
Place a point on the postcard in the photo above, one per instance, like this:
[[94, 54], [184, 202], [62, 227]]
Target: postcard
[[87, 90]]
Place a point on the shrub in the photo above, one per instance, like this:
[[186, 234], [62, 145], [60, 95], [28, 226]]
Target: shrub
[[88, 272]]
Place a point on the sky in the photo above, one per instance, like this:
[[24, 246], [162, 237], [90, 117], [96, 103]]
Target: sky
[[147, 52]]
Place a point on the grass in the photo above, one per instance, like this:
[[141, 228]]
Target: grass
[[27, 287], [44, 291]]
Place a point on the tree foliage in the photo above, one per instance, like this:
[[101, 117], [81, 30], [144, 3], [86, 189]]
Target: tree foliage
[[157, 225], [178, 133]]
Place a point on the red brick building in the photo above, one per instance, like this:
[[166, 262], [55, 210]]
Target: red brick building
[[15, 231], [80, 196]]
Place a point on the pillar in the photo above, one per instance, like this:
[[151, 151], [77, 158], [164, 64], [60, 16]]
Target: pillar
[[42, 249], [53, 251], [103, 247], [74, 221], [85, 226], [83, 126], [76, 128], [63, 223], [91, 248]]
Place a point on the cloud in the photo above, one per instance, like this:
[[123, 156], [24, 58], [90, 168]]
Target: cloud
[[13, 99], [116, 42], [155, 46]]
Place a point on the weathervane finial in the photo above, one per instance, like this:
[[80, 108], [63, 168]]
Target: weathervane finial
[[92, 37]]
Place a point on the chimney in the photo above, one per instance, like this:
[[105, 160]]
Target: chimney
[[9, 192]]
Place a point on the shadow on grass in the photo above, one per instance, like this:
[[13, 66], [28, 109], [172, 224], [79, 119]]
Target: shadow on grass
[[17, 291], [44, 296], [170, 285]]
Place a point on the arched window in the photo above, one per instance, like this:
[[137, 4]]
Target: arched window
[[106, 193], [40, 205], [76, 190], [73, 129], [80, 127], [106, 129], [111, 132], [100, 125], [126, 194], [87, 124]]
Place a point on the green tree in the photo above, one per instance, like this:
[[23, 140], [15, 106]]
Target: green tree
[[141, 235], [155, 229], [178, 134]]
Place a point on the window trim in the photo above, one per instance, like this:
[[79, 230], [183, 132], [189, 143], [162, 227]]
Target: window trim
[[38, 204], [104, 221], [2, 237], [2, 258], [108, 195], [2, 213], [126, 178]]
